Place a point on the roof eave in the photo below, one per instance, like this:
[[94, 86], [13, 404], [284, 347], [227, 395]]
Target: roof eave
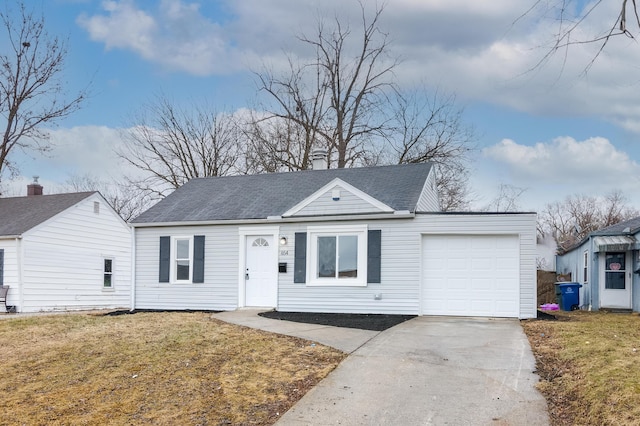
[[278, 219]]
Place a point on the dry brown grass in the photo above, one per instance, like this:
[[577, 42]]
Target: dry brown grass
[[589, 363], [151, 368]]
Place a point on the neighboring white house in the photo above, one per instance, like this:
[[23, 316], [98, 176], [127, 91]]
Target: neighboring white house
[[361, 240], [64, 252]]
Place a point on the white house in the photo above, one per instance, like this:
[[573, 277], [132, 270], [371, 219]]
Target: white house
[[361, 240], [64, 252]]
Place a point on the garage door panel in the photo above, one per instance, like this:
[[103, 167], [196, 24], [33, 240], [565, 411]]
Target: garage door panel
[[480, 276], [479, 284]]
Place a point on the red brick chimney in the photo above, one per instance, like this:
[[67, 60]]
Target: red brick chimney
[[34, 188]]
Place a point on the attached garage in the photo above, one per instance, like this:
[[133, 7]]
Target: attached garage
[[471, 275]]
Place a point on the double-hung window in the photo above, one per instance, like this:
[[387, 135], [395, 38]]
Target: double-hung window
[[182, 259], [338, 255], [107, 281]]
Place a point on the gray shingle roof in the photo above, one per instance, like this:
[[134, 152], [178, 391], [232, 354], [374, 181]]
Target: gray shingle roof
[[618, 228], [272, 194], [19, 214]]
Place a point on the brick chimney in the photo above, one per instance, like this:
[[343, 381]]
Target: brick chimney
[[34, 188]]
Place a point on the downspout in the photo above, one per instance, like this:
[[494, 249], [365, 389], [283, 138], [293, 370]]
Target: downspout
[[20, 306], [133, 269]]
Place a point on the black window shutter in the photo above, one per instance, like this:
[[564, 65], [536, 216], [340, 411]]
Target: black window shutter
[[198, 259], [373, 256], [165, 258], [300, 259], [1, 266]]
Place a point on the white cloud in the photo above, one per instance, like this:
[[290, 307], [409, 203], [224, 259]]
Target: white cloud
[[481, 50], [174, 35], [564, 166], [77, 151]]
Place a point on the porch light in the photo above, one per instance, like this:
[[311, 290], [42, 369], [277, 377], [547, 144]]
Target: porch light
[[283, 241]]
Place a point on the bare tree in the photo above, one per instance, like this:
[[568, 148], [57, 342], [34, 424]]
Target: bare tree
[[125, 199], [571, 16], [426, 128], [31, 91], [337, 98], [507, 199], [170, 145], [346, 101], [572, 219]]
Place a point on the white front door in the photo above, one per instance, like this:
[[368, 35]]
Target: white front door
[[615, 280], [261, 276]]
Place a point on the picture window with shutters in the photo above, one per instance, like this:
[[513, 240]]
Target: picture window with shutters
[[337, 256]]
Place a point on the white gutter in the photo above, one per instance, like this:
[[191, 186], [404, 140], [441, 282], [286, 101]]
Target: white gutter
[[20, 271], [133, 268], [403, 214]]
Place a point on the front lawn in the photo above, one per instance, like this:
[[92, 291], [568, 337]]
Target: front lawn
[[589, 363], [151, 368]]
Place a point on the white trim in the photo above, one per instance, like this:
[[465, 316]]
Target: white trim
[[173, 256], [312, 255], [330, 186], [243, 233], [112, 273], [133, 268]]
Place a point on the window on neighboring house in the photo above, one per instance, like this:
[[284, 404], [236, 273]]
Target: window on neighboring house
[[182, 259], [96, 207], [338, 255], [585, 271], [108, 273]]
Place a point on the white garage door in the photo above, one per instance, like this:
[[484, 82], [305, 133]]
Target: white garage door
[[471, 275]]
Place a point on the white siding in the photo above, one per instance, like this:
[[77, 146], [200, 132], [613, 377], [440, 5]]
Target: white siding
[[220, 288], [11, 273], [428, 201], [401, 265], [62, 260], [401, 270], [347, 204]]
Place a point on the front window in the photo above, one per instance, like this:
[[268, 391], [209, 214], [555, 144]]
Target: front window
[[182, 261], [108, 273], [338, 255]]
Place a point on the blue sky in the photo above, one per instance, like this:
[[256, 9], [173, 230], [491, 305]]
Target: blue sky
[[553, 131]]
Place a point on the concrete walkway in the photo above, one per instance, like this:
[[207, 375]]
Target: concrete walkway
[[345, 339], [426, 371]]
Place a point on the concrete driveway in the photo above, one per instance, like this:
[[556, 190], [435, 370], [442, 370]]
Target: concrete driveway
[[426, 371]]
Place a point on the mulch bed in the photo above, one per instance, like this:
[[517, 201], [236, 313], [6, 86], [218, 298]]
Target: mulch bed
[[374, 322]]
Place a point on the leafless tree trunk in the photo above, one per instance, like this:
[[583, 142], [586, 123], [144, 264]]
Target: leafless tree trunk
[[31, 93], [346, 101], [337, 98], [427, 128], [170, 145]]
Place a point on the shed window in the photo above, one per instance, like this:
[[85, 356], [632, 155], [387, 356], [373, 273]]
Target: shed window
[[585, 270]]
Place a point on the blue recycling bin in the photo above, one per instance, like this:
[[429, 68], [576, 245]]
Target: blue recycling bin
[[570, 294]]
